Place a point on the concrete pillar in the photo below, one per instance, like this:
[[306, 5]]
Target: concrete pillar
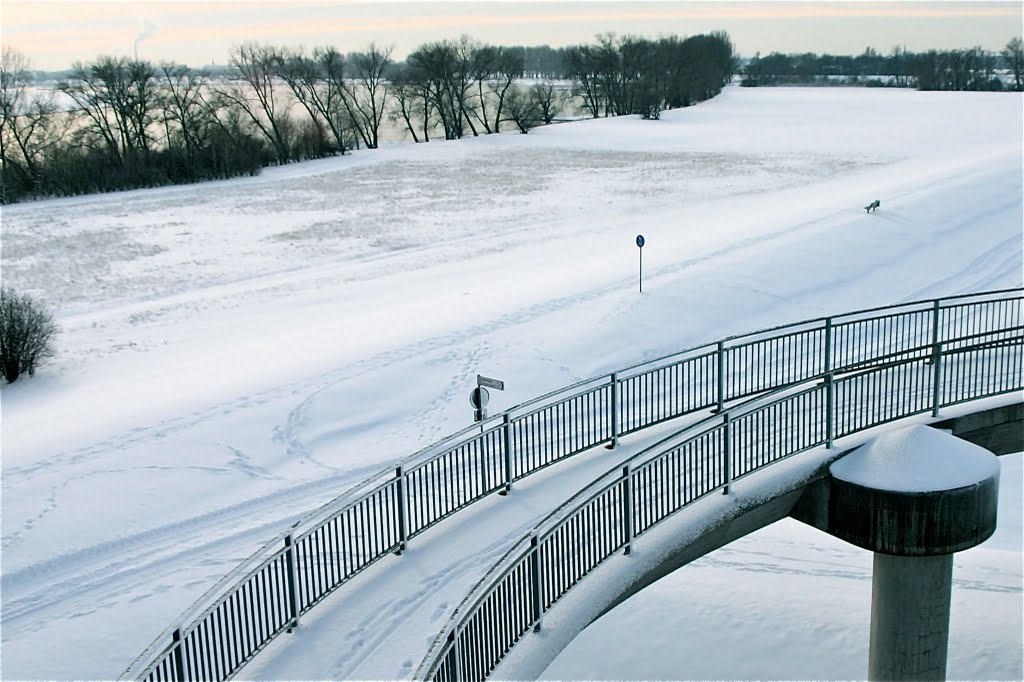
[[913, 496], [910, 617]]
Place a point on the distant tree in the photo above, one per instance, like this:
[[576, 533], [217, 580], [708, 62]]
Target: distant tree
[[1013, 54], [412, 103], [26, 333], [119, 99], [251, 90], [581, 64], [522, 110], [465, 73], [548, 100], [539, 61], [899, 66], [366, 97], [30, 127], [318, 84], [498, 68], [187, 117], [446, 73]]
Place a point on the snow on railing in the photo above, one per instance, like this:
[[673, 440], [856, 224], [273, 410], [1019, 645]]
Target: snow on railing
[[268, 592], [978, 353]]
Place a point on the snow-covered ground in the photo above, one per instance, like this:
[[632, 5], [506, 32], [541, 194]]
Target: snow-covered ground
[[233, 354]]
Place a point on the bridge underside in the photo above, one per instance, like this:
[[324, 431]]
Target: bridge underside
[[799, 491]]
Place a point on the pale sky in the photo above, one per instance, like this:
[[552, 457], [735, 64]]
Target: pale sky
[[55, 33]]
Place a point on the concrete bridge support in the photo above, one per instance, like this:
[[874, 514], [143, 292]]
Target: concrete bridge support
[[913, 497], [910, 617]]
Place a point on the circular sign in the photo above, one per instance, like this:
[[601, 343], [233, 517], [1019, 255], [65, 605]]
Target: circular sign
[[640, 240], [479, 397]]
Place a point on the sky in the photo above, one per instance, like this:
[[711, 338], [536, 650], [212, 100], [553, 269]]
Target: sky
[[55, 33]]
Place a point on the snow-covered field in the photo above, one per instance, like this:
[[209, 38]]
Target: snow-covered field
[[234, 354]]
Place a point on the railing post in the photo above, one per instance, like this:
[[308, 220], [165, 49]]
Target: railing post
[[178, 655], [830, 404], [403, 533], [721, 377], [830, 423], [828, 345], [536, 582], [457, 653], [936, 358], [936, 378], [627, 508], [506, 431], [615, 411], [293, 582], [727, 443]]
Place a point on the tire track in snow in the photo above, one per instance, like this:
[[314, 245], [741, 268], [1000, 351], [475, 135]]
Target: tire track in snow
[[898, 256], [991, 268], [225, 530]]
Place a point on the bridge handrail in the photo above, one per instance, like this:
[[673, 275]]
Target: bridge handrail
[[445, 659], [835, 342]]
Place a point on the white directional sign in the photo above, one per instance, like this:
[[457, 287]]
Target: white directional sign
[[490, 383]]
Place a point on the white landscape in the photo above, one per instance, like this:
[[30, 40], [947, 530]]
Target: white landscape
[[234, 354]]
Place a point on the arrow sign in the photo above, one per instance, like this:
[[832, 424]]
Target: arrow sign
[[490, 383]]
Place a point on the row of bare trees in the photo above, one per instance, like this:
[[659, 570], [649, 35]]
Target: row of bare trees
[[117, 122], [635, 75], [964, 69]]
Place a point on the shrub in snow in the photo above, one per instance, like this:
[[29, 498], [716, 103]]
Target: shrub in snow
[[26, 332]]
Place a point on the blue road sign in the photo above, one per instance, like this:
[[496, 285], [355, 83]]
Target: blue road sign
[[640, 240]]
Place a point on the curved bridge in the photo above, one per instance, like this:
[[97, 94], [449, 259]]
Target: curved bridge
[[773, 393], [798, 489]]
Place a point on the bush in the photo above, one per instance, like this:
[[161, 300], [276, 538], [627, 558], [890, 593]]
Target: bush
[[26, 332]]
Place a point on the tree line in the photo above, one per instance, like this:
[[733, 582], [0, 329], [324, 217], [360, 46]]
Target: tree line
[[963, 69], [118, 123]]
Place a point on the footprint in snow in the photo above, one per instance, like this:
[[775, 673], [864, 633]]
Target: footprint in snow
[[441, 609]]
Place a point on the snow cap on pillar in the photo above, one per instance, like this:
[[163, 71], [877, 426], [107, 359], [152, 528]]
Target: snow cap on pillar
[[915, 491]]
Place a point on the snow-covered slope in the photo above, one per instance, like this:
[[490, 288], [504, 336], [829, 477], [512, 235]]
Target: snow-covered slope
[[235, 353]]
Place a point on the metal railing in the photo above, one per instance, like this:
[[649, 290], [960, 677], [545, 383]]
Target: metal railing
[[266, 594], [978, 352]]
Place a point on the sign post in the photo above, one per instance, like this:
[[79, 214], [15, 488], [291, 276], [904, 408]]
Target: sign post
[[640, 244], [480, 396]]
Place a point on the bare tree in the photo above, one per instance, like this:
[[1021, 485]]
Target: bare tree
[[450, 75], [118, 96], [522, 110], [548, 100], [366, 99], [30, 125], [252, 91], [186, 113], [507, 69], [318, 85], [462, 78], [431, 67], [412, 102], [581, 63]]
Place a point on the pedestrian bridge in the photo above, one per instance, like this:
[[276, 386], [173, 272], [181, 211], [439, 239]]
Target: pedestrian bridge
[[727, 417]]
